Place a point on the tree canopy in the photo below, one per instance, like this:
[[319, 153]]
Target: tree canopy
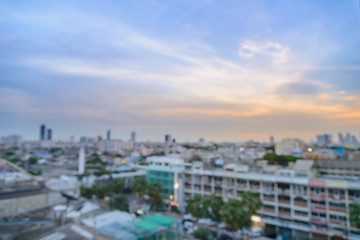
[[282, 160], [355, 215], [119, 202]]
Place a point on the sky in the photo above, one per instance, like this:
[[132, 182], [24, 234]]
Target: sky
[[222, 70]]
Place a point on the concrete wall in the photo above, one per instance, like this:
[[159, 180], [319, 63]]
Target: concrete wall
[[15, 206]]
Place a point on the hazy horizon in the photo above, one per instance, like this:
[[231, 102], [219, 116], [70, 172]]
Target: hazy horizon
[[224, 71]]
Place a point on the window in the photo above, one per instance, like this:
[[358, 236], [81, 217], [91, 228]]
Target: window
[[301, 213], [337, 205], [337, 218], [316, 214]]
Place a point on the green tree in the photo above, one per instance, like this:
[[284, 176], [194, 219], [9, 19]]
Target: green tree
[[234, 215], [139, 186], [86, 192], [154, 191], [196, 206], [119, 202], [33, 160], [15, 160], [202, 233], [355, 215], [115, 186], [213, 206], [99, 191], [251, 202]]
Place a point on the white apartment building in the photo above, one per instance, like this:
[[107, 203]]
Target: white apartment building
[[290, 146], [295, 202]]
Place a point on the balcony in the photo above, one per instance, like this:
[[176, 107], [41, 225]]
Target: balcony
[[319, 208], [266, 210], [218, 183], [317, 196], [337, 197], [207, 190], [338, 223], [300, 194], [286, 202], [286, 214], [354, 199], [268, 199], [318, 230], [284, 192], [268, 190], [300, 204], [218, 192], [318, 220], [339, 210], [188, 180]]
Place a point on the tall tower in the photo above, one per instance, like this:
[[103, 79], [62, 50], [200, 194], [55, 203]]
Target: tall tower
[[82, 161], [272, 140], [133, 137], [168, 139], [49, 134], [108, 134], [42, 132]]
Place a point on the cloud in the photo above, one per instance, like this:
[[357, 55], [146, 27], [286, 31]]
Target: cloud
[[278, 53], [299, 88]]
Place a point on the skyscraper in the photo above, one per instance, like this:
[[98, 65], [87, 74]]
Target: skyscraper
[[133, 137], [108, 134], [49, 134], [272, 141], [341, 138], [168, 139], [42, 132], [324, 139]]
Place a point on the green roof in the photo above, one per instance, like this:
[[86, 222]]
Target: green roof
[[154, 221]]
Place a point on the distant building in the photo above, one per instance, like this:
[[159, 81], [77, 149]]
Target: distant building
[[324, 139], [272, 141], [290, 146], [82, 140], [49, 134], [168, 139], [42, 132], [133, 137], [108, 135], [115, 146], [14, 139], [349, 140], [341, 138]]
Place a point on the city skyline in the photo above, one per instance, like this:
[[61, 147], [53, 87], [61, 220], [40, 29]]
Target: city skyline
[[229, 71]]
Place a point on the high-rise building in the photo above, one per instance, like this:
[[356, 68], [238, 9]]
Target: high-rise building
[[324, 139], [290, 146], [42, 132], [168, 139], [108, 135], [341, 138], [272, 141], [133, 137], [49, 134]]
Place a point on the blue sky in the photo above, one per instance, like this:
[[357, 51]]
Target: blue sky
[[223, 70]]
